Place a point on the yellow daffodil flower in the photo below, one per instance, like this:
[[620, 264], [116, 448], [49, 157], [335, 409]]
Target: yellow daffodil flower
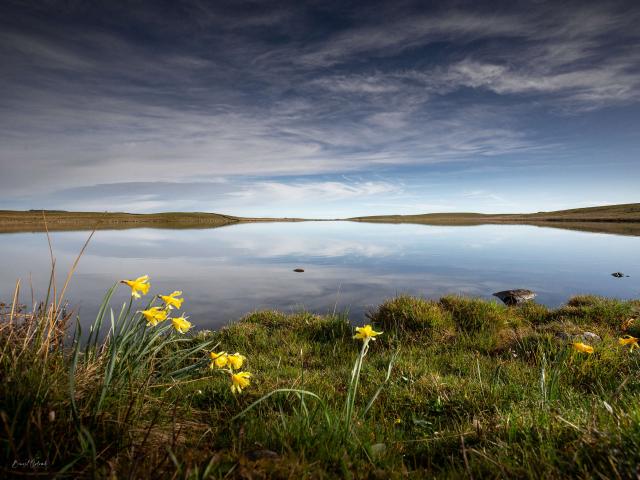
[[629, 340], [154, 315], [219, 360], [236, 360], [171, 300], [366, 332], [583, 347], [140, 284], [181, 324], [239, 381]]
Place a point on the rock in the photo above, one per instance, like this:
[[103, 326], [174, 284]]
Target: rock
[[617, 274], [515, 297], [590, 337], [299, 270], [586, 337]]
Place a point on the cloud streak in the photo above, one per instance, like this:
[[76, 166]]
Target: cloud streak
[[199, 91]]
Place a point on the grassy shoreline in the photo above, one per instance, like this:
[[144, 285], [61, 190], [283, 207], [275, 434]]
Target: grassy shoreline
[[475, 389]]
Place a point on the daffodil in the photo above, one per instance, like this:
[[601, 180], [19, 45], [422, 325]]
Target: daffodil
[[140, 284], [181, 324], [219, 360], [171, 300], [239, 381], [235, 361], [629, 340], [583, 347], [154, 315], [363, 333]]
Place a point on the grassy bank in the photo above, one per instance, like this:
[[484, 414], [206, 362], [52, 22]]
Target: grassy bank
[[56, 220], [453, 388]]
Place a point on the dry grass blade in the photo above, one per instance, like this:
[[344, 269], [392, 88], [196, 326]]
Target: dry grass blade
[[16, 293], [75, 263], [52, 283]]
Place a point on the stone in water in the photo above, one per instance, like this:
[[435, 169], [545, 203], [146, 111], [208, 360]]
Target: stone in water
[[515, 297]]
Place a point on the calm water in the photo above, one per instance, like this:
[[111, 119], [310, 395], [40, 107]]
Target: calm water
[[227, 272]]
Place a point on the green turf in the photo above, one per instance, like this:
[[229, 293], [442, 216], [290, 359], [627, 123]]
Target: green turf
[[476, 389]]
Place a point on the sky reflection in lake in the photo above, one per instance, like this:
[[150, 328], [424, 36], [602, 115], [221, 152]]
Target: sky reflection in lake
[[227, 272]]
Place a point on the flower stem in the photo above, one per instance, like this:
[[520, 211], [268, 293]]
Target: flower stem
[[353, 387]]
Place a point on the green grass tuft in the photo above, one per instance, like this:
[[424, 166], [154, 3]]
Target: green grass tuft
[[473, 315], [411, 314]]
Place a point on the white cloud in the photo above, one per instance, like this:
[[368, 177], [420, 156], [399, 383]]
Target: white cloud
[[587, 86], [85, 108], [395, 35], [311, 191]]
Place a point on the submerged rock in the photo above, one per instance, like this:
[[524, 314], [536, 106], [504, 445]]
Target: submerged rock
[[515, 297], [299, 270]]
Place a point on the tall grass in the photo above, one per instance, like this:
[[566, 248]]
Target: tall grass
[[61, 402]]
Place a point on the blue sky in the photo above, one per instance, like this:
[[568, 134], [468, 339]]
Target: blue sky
[[319, 109]]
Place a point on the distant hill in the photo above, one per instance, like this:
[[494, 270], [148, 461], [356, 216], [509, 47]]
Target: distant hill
[[629, 212], [34, 220], [616, 219]]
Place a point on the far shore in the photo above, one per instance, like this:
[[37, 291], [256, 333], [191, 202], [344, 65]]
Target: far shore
[[13, 221], [614, 219]]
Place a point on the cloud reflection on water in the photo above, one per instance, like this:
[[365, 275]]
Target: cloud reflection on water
[[230, 271]]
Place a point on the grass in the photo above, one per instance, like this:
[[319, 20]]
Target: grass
[[459, 387]]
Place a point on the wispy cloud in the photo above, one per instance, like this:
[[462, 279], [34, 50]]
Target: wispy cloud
[[209, 90]]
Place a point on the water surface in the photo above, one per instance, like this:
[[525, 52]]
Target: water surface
[[227, 272]]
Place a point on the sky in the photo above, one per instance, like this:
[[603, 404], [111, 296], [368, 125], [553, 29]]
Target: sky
[[319, 109]]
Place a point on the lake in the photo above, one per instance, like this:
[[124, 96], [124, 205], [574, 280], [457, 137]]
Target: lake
[[349, 267]]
